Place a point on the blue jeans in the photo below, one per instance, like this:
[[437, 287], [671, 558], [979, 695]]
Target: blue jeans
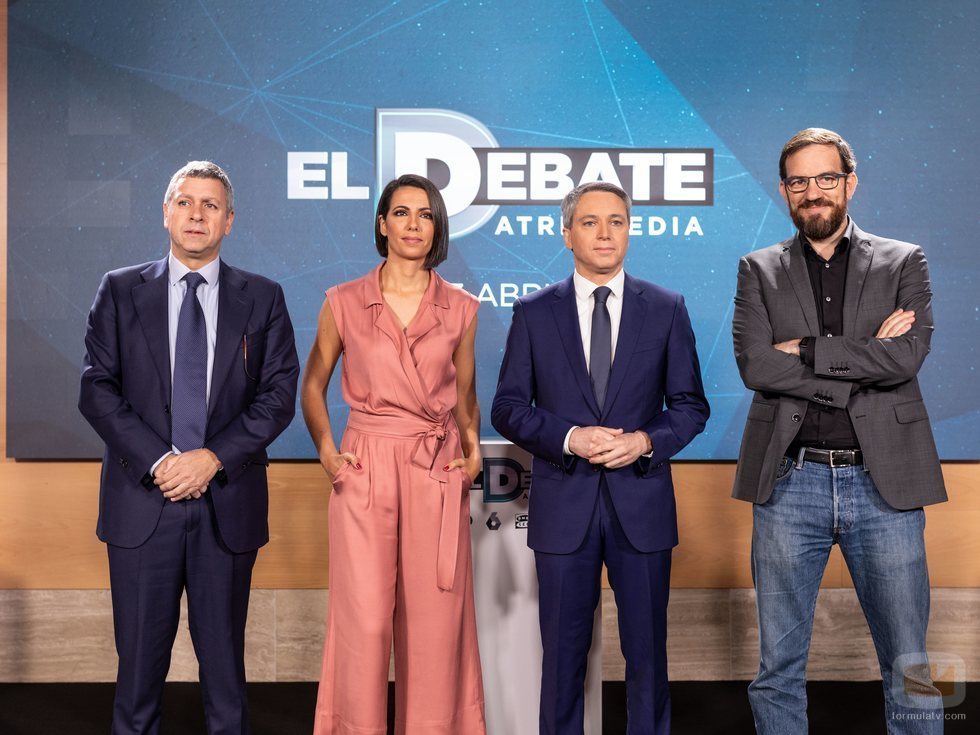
[[812, 507]]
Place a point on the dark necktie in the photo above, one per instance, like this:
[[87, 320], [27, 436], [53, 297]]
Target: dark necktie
[[190, 389], [600, 351]]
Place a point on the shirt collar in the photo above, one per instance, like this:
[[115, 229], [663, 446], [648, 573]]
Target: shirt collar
[[584, 287], [178, 270], [840, 249]]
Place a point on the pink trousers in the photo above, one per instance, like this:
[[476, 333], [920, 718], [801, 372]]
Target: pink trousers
[[391, 528]]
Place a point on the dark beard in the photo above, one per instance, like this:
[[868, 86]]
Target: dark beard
[[819, 228]]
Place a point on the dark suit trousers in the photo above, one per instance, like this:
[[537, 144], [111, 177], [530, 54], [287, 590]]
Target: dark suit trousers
[[184, 551], [569, 586]]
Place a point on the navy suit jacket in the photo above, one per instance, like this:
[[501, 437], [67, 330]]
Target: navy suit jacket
[[126, 392], [544, 390]]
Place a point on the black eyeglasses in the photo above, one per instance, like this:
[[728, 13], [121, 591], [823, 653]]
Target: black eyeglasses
[[799, 184]]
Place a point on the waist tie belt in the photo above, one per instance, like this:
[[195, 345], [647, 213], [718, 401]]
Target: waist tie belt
[[431, 453]]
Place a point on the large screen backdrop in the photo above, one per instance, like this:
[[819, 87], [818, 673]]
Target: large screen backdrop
[[312, 106]]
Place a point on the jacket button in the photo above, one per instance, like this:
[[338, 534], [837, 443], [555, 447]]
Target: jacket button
[[123, 462], [166, 409], [797, 417]]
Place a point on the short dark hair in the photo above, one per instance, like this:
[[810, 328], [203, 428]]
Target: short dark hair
[[440, 219], [201, 170], [570, 202], [818, 136]]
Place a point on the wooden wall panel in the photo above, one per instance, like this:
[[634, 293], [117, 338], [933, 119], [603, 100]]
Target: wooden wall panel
[[66, 636], [47, 529]]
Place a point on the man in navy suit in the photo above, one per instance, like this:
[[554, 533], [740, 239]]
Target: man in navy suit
[[600, 381], [190, 373]]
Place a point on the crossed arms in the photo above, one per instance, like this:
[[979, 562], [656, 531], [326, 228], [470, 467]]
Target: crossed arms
[[891, 356]]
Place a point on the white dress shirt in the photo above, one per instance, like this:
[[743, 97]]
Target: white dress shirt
[[585, 304], [207, 295]]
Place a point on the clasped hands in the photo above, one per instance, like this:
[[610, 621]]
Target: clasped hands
[[895, 325], [186, 475], [611, 448]]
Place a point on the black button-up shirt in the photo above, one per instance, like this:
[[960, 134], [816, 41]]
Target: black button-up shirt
[[827, 427]]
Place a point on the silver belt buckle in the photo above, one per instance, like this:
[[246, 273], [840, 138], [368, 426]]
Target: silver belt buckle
[[832, 452]]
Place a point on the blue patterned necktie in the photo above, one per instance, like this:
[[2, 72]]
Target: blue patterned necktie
[[190, 386], [600, 351]]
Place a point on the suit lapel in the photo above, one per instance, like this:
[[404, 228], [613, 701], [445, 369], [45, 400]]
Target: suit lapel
[[858, 263], [234, 307], [565, 311], [630, 326], [794, 263], [151, 301]]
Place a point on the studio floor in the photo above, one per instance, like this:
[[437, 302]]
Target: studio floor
[[699, 708]]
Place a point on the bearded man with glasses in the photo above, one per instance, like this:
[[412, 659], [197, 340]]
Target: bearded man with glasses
[[830, 330]]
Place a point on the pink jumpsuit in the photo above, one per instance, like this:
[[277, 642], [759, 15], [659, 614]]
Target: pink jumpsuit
[[400, 557]]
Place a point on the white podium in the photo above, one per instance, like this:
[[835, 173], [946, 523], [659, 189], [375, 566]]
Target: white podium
[[506, 591]]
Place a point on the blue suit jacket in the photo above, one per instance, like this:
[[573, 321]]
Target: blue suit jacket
[[544, 390], [125, 396]]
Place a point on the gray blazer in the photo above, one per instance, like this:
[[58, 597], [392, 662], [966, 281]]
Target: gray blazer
[[774, 303]]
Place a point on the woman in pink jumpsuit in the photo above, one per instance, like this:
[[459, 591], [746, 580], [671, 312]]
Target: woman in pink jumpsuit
[[400, 558]]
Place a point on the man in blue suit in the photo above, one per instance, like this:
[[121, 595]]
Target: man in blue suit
[[600, 381], [190, 373]]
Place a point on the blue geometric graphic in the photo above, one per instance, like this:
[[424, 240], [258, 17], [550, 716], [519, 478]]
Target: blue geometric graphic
[[106, 100]]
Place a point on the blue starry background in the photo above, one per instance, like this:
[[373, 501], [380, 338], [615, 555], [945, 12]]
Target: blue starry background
[[107, 99]]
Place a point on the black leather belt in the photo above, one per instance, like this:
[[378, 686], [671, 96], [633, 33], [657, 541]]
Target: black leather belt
[[833, 457]]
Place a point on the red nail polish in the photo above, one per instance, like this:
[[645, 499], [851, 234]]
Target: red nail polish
[[446, 468], [357, 466]]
